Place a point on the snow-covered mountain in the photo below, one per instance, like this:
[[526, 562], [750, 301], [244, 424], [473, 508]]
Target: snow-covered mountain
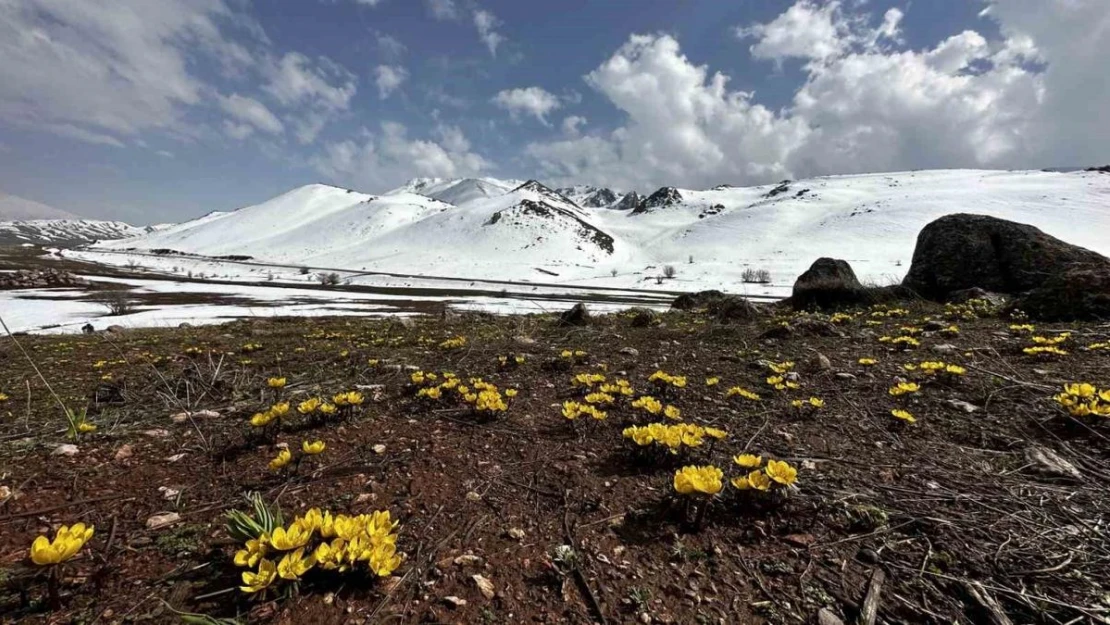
[[509, 230], [67, 231], [14, 208]]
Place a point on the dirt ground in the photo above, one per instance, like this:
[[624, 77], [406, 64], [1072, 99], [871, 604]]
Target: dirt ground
[[948, 517]]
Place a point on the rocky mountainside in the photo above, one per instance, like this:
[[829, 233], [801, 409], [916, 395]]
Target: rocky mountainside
[[67, 231]]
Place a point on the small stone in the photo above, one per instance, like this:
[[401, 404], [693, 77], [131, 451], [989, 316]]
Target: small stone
[[124, 452], [168, 493], [364, 497], [485, 586], [180, 417], [844, 375], [825, 616], [473, 496], [468, 559], [645, 618], [156, 433], [801, 540], [162, 520], [454, 602], [516, 533], [378, 449], [5, 493], [867, 556], [65, 449], [524, 340], [175, 457], [945, 348], [1051, 463], [962, 405], [630, 351]]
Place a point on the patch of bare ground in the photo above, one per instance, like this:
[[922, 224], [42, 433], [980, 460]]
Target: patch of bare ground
[[950, 518]]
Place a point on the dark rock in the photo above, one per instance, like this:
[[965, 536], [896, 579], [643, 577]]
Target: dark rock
[[88, 328], [115, 329], [184, 325], [628, 202], [829, 283], [780, 331], [816, 362], [826, 616], [963, 251], [1080, 293], [815, 327], [694, 301], [642, 317], [576, 316], [663, 197], [732, 308]]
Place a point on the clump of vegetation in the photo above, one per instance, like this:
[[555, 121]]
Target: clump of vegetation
[[755, 276]]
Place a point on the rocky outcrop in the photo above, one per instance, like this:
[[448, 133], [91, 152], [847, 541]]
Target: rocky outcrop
[[628, 202], [1079, 293], [964, 251], [665, 196], [39, 279], [694, 301], [829, 283], [578, 315]]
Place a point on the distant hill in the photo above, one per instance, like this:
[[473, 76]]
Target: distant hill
[[14, 208]]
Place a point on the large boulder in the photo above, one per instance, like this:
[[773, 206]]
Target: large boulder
[[578, 315], [1079, 293], [829, 283], [732, 308], [964, 251]]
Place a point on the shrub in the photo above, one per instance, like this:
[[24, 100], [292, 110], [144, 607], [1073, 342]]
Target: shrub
[[304, 271], [669, 271], [118, 304], [756, 276], [329, 279]]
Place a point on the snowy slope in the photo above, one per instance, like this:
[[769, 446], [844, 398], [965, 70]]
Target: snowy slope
[[505, 230], [66, 231]]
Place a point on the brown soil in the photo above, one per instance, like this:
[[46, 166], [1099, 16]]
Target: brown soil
[[934, 504]]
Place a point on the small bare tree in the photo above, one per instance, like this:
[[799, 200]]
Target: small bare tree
[[329, 279], [613, 272], [117, 303], [756, 276], [669, 271]]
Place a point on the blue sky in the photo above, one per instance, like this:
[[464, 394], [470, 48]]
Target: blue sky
[[155, 110]]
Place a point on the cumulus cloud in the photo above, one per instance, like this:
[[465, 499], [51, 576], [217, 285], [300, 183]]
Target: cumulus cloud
[[104, 71], [443, 9], [389, 45], [487, 24], [571, 124], [534, 101], [386, 159], [251, 111], [389, 78], [1022, 99], [320, 89]]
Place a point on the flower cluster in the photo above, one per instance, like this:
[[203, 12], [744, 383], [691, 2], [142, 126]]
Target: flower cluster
[[951, 331], [1082, 399], [617, 387], [248, 348], [572, 410], [813, 403], [737, 391], [274, 413], [780, 383], [703, 481], [510, 360], [841, 318], [653, 406], [319, 540], [68, 540], [672, 437], [971, 309], [780, 368], [900, 342], [1045, 352], [904, 388], [485, 398], [587, 379], [1093, 347], [868, 362], [663, 379], [276, 383], [936, 368], [457, 342], [1022, 328], [777, 474], [903, 415], [576, 355]]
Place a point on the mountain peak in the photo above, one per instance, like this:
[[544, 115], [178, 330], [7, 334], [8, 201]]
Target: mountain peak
[[664, 196]]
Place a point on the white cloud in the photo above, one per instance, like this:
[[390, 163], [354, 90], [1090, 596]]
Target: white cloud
[[81, 134], [322, 89], [389, 45], [372, 3], [572, 123], [487, 24], [443, 9], [389, 78], [380, 161], [109, 70], [237, 130], [533, 101], [1028, 98], [253, 112]]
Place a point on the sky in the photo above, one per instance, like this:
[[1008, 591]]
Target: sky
[[162, 110]]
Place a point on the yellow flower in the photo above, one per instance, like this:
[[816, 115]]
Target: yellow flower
[[254, 581], [283, 458], [313, 448], [510, 393], [309, 406], [294, 537], [255, 549], [748, 461], [715, 433], [276, 382], [742, 392], [328, 409], [903, 388], [648, 403], [68, 540], [293, 564], [954, 370], [672, 413], [384, 560], [85, 428], [698, 480], [373, 362], [280, 410], [781, 472], [262, 419], [713, 381], [756, 480], [3, 397], [867, 362], [903, 415]]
